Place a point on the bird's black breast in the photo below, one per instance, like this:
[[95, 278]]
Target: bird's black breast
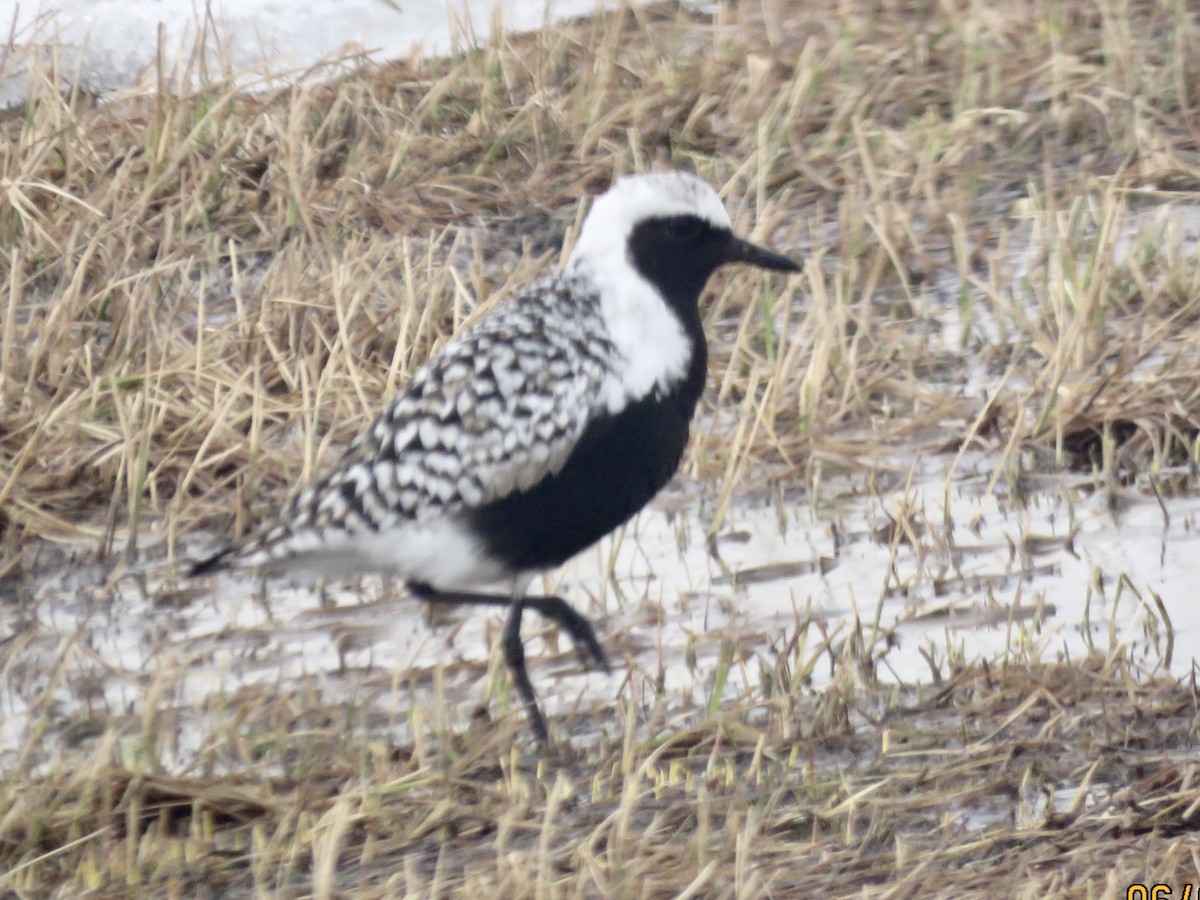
[[620, 462]]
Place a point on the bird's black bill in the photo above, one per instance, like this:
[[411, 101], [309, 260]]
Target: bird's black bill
[[214, 563], [739, 251]]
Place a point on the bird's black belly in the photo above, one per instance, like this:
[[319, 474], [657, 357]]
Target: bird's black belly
[[620, 462]]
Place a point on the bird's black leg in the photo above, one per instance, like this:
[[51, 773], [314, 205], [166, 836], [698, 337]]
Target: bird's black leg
[[583, 636], [514, 655]]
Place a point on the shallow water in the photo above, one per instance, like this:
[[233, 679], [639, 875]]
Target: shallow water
[[1052, 578], [107, 45]]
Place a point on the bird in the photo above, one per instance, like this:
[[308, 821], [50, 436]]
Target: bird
[[543, 426]]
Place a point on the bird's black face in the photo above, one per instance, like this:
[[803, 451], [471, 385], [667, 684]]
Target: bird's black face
[[677, 254]]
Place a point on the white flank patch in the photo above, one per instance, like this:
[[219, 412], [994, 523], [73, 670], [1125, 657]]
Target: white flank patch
[[438, 550]]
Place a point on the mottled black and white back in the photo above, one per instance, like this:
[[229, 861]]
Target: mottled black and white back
[[534, 432]]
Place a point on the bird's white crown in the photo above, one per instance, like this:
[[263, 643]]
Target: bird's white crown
[[636, 198]]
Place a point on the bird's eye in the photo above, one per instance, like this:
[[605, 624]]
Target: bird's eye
[[683, 229]]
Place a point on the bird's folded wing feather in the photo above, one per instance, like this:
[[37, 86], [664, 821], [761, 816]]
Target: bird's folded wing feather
[[496, 411]]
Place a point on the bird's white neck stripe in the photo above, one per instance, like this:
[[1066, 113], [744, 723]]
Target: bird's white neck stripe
[[652, 349]]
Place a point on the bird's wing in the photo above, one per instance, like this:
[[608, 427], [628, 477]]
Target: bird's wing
[[496, 411]]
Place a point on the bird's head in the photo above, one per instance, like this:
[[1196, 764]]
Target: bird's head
[[672, 228]]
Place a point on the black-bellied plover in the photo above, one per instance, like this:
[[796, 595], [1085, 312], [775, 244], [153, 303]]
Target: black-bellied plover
[[536, 431]]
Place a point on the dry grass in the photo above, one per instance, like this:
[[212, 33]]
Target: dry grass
[[945, 792], [208, 293]]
